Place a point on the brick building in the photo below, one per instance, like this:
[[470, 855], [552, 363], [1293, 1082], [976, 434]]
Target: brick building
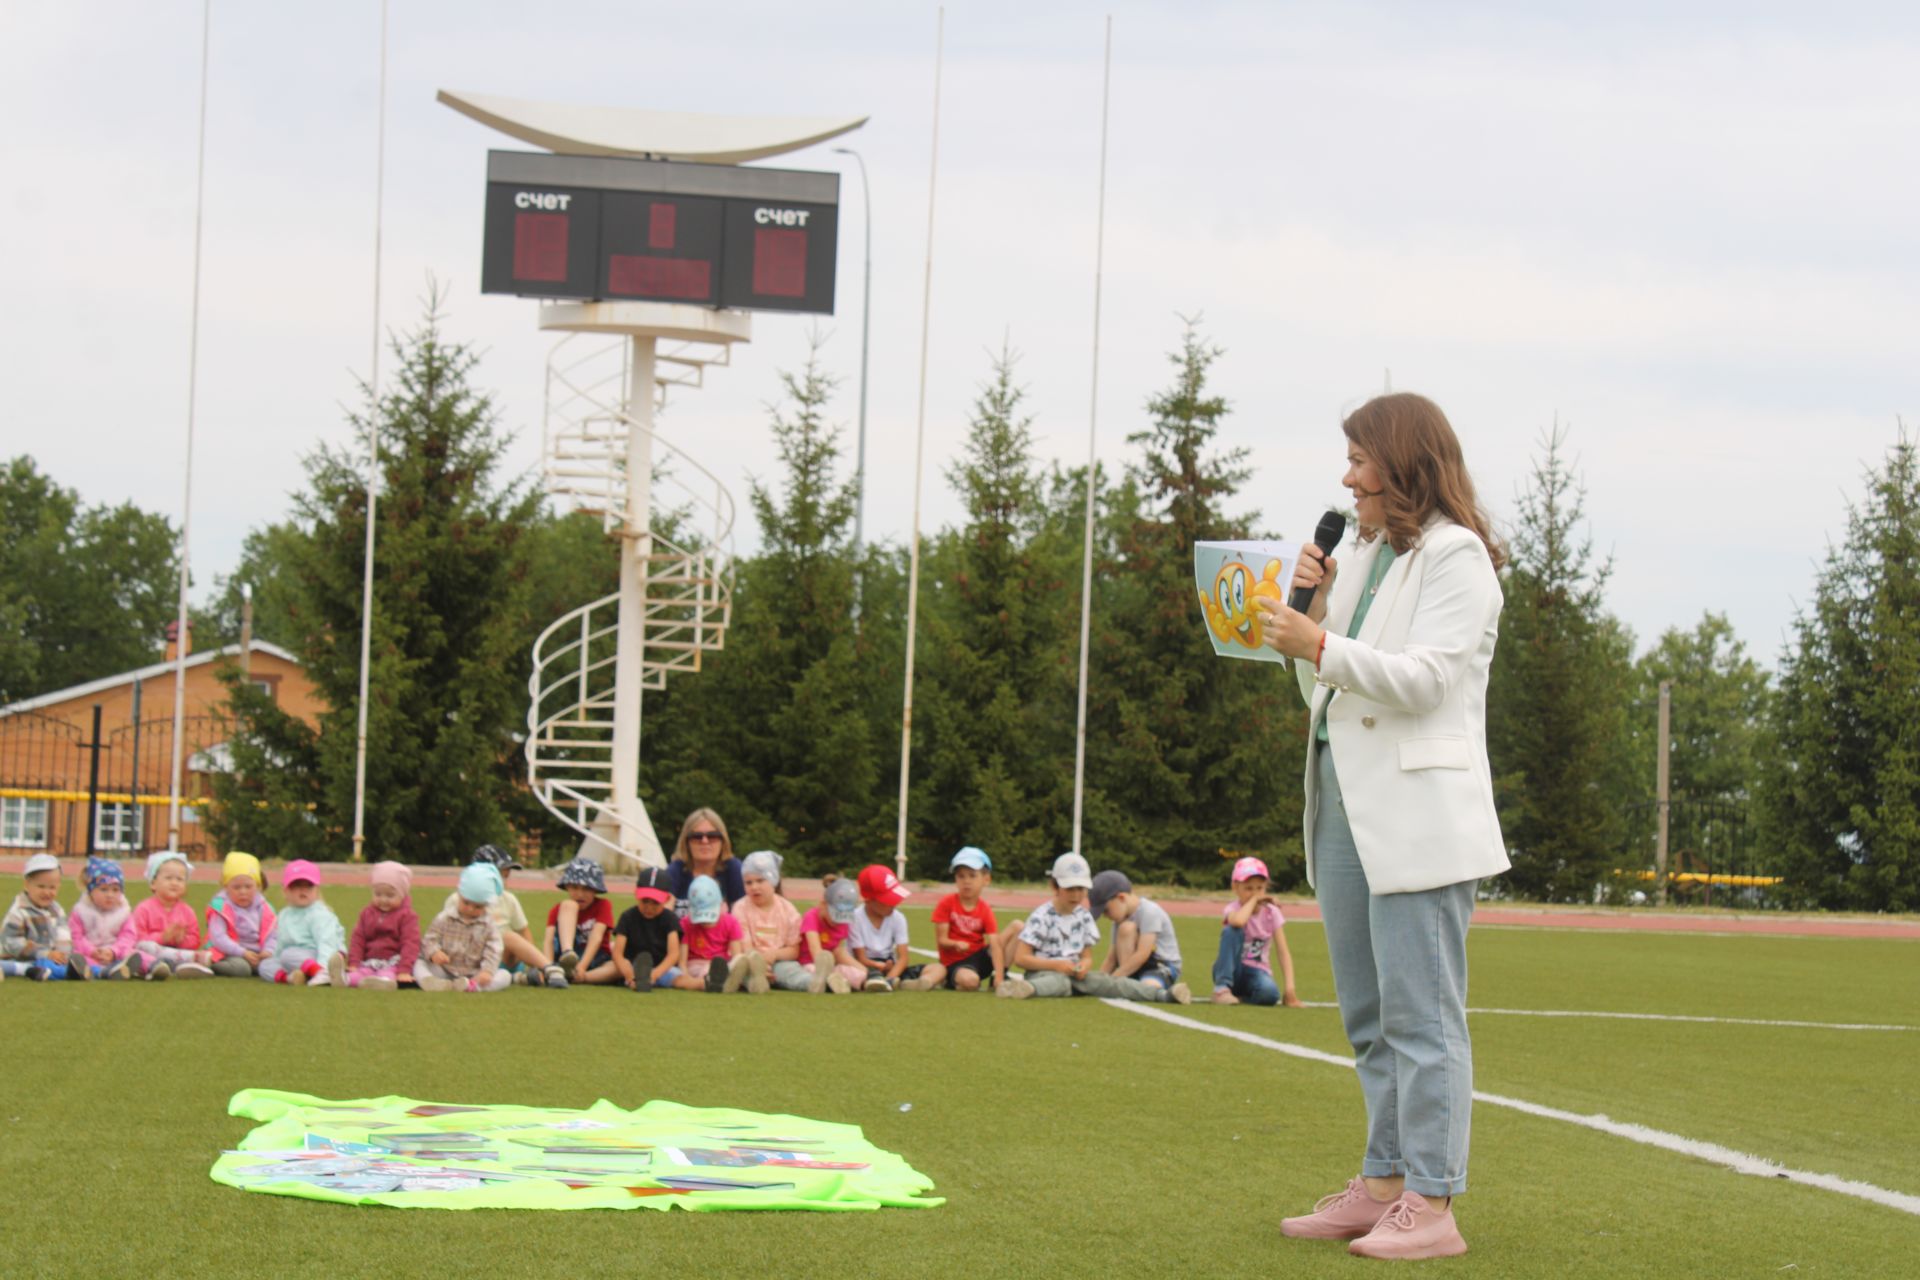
[[54, 771]]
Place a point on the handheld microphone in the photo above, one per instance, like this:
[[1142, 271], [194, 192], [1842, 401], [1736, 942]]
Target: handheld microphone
[[1332, 527]]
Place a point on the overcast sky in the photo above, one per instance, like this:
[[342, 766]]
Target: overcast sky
[[1688, 237]]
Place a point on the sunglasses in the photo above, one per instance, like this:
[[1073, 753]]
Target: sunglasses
[[702, 835]]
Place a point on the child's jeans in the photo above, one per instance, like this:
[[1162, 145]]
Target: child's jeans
[[235, 967], [1232, 973], [277, 966], [388, 968], [500, 981], [791, 975], [34, 967]]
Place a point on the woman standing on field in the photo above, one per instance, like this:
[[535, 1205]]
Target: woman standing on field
[[1392, 657]]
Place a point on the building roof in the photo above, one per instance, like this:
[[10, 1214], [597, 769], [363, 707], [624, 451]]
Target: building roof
[[143, 673]]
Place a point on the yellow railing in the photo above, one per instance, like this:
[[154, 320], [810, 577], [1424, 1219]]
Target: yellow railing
[[1701, 877]]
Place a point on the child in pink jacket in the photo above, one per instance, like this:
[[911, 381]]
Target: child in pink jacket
[[164, 929], [98, 919]]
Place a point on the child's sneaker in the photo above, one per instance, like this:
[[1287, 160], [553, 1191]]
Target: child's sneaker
[[1412, 1228], [1347, 1214], [122, 971], [37, 973], [337, 970], [837, 983], [822, 973], [432, 983], [379, 984], [569, 961], [757, 984], [296, 977], [921, 983], [1015, 988], [192, 969], [877, 982], [737, 974], [1223, 996], [643, 972], [159, 971], [77, 967], [1180, 993], [717, 974], [556, 978]]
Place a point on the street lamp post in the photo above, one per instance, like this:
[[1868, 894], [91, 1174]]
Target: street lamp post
[[866, 329]]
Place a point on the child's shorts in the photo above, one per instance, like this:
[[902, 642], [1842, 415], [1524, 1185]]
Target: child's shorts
[[694, 969], [981, 962]]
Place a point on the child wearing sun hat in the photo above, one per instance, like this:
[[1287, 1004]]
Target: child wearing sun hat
[[311, 948], [461, 949], [386, 937], [35, 941]]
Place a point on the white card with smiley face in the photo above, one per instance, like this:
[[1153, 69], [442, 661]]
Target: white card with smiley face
[[1230, 578]]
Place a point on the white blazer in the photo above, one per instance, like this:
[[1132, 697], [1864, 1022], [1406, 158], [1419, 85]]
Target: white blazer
[[1409, 729]]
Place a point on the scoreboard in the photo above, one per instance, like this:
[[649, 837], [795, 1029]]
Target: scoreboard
[[618, 230]]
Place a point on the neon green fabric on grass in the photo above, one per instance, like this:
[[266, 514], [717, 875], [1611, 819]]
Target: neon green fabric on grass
[[429, 1155]]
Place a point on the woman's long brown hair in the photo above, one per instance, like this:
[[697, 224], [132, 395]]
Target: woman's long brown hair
[[1418, 456]]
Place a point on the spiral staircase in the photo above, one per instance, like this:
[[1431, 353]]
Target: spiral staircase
[[603, 398]]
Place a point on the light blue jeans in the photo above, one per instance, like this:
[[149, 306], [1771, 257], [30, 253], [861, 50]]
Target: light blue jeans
[[1400, 970], [1232, 973]]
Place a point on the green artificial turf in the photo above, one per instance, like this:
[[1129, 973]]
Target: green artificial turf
[[1069, 1138]]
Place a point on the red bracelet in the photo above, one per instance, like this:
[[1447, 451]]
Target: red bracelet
[[1321, 652]]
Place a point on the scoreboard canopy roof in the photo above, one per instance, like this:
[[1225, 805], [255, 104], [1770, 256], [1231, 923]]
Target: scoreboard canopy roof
[[574, 130], [613, 229]]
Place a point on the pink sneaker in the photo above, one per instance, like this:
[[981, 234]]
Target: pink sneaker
[[1412, 1228], [1345, 1215]]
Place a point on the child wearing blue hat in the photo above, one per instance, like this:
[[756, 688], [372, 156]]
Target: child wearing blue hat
[[460, 951], [965, 930], [713, 939], [35, 941]]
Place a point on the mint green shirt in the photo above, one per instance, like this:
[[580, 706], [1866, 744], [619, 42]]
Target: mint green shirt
[[1381, 563]]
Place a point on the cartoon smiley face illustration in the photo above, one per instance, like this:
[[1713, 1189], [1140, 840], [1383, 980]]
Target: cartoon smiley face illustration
[[1230, 609]]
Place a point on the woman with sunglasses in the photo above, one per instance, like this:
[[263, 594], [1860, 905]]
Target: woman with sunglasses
[[705, 849]]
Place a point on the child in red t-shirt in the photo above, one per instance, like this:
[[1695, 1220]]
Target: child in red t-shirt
[[577, 928], [968, 935]]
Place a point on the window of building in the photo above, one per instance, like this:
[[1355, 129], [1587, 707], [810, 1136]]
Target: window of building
[[23, 823], [118, 826]]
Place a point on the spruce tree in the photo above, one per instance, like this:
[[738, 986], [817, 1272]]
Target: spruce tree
[[450, 619], [1841, 794], [1556, 728], [1192, 754]]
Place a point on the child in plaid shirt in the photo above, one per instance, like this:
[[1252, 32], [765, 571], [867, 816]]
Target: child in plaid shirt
[[460, 951]]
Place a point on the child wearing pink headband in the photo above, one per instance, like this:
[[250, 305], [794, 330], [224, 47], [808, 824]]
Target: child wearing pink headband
[[386, 937], [310, 946]]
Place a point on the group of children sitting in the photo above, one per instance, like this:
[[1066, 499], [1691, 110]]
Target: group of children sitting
[[854, 940]]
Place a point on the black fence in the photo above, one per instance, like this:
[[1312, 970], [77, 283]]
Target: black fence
[[1711, 860], [71, 787]]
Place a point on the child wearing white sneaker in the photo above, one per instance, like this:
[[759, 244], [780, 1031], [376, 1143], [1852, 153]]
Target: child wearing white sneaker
[[310, 944], [97, 919], [1054, 946], [460, 950], [35, 939], [164, 929], [770, 922], [578, 926], [824, 962], [1144, 961], [966, 934], [879, 938]]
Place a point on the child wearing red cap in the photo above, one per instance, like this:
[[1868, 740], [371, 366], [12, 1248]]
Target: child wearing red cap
[[311, 945], [879, 936], [1250, 931]]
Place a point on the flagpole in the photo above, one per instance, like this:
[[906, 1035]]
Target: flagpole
[[1093, 436], [919, 447], [182, 635], [373, 463]]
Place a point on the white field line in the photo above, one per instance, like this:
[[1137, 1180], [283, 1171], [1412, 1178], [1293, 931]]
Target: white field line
[[1667, 1017], [1738, 1161]]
